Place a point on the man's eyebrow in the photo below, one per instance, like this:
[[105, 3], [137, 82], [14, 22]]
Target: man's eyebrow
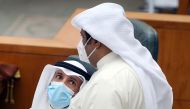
[[60, 72], [74, 77]]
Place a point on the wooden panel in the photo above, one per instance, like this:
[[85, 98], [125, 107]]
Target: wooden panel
[[183, 6], [174, 60], [35, 45], [180, 104]]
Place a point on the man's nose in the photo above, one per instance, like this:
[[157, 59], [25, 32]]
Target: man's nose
[[64, 80]]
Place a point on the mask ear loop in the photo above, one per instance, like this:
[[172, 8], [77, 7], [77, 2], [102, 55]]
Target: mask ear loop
[[87, 41], [92, 52]]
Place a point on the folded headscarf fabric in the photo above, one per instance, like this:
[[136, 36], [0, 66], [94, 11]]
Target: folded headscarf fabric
[[76, 70], [108, 21]]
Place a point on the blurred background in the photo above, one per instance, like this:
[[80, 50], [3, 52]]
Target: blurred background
[[29, 17]]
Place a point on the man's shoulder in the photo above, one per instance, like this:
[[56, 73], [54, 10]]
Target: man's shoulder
[[119, 70], [115, 66]]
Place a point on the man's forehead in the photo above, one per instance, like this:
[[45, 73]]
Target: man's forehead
[[64, 73]]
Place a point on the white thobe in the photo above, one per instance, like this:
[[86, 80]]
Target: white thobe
[[114, 86]]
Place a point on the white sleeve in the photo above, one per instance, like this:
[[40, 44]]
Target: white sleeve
[[102, 96]]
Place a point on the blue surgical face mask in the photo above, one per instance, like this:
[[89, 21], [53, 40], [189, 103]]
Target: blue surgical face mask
[[59, 95]]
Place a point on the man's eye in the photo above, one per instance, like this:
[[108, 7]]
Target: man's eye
[[72, 82], [59, 77]]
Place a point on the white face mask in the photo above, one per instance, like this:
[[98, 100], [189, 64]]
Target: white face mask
[[82, 52]]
